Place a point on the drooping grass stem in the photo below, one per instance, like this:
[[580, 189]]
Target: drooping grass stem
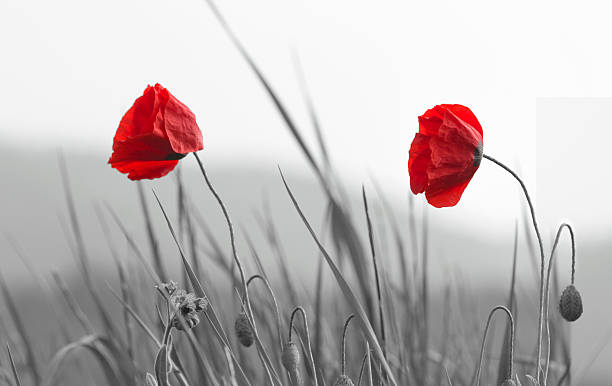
[[484, 339], [276, 310], [542, 259], [301, 311], [237, 261], [343, 348], [376, 273], [547, 288]]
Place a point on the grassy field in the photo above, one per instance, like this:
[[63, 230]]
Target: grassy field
[[366, 315]]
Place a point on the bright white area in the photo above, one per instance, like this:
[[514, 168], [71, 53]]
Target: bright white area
[[70, 69]]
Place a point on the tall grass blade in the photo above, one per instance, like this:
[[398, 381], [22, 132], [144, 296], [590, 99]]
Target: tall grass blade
[[162, 366], [13, 368], [157, 260], [346, 290], [21, 330]]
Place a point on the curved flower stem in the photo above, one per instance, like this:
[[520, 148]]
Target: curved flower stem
[[343, 348], [542, 259], [278, 318], [245, 290], [484, 339], [308, 348], [547, 289]]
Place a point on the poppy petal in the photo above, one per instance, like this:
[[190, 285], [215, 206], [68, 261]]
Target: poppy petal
[[140, 118], [181, 127], [418, 163], [466, 115], [430, 122], [446, 197], [451, 151], [143, 148], [138, 170]]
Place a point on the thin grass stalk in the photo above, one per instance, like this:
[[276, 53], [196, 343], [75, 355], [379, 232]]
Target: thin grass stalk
[[20, 326], [301, 311], [312, 113], [484, 339], [547, 289], [157, 260], [42, 283], [13, 367], [150, 271], [344, 286], [363, 365], [237, 261], [82, 251], [73, 304], [343, 345], [542, 260], [269, 90], [199, 289], [276, 309], [381, 319], [502, 370], [424, 299], [272, 236]]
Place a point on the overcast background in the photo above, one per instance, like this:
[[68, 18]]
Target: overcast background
[[535, 74]]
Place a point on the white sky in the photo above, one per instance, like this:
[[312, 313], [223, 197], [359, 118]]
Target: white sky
[[70, 69]]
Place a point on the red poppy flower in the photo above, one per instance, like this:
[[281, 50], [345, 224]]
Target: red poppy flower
[[445, 154], [155, 133]]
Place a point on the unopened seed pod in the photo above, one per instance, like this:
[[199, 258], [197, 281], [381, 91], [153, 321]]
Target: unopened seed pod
[[508, 382], [570, 304], [291, 356], [243, 330], [343, 380]]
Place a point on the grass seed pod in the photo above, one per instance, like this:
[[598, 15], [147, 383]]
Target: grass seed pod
[[570, 304], [343, 380], [243, 330]]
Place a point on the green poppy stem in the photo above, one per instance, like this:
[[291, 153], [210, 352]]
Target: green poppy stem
[[542, 258]]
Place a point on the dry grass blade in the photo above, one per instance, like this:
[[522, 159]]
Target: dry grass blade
[[89, 342], [157, 260], [162, 366], [73, 304], [137, 318], [376, 274], [314, 118], [270, 91], [503, 362], [13, 368], [18, 323], [346, 290], [82, 251]]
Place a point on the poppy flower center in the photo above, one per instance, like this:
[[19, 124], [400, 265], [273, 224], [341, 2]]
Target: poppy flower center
[[478, 154], [178, 156]]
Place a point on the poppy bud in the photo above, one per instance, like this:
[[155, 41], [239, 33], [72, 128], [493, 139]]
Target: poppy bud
[[570, 304], [508, 382], [243, 330], [291, 356], [291, 361], [343, 380]]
